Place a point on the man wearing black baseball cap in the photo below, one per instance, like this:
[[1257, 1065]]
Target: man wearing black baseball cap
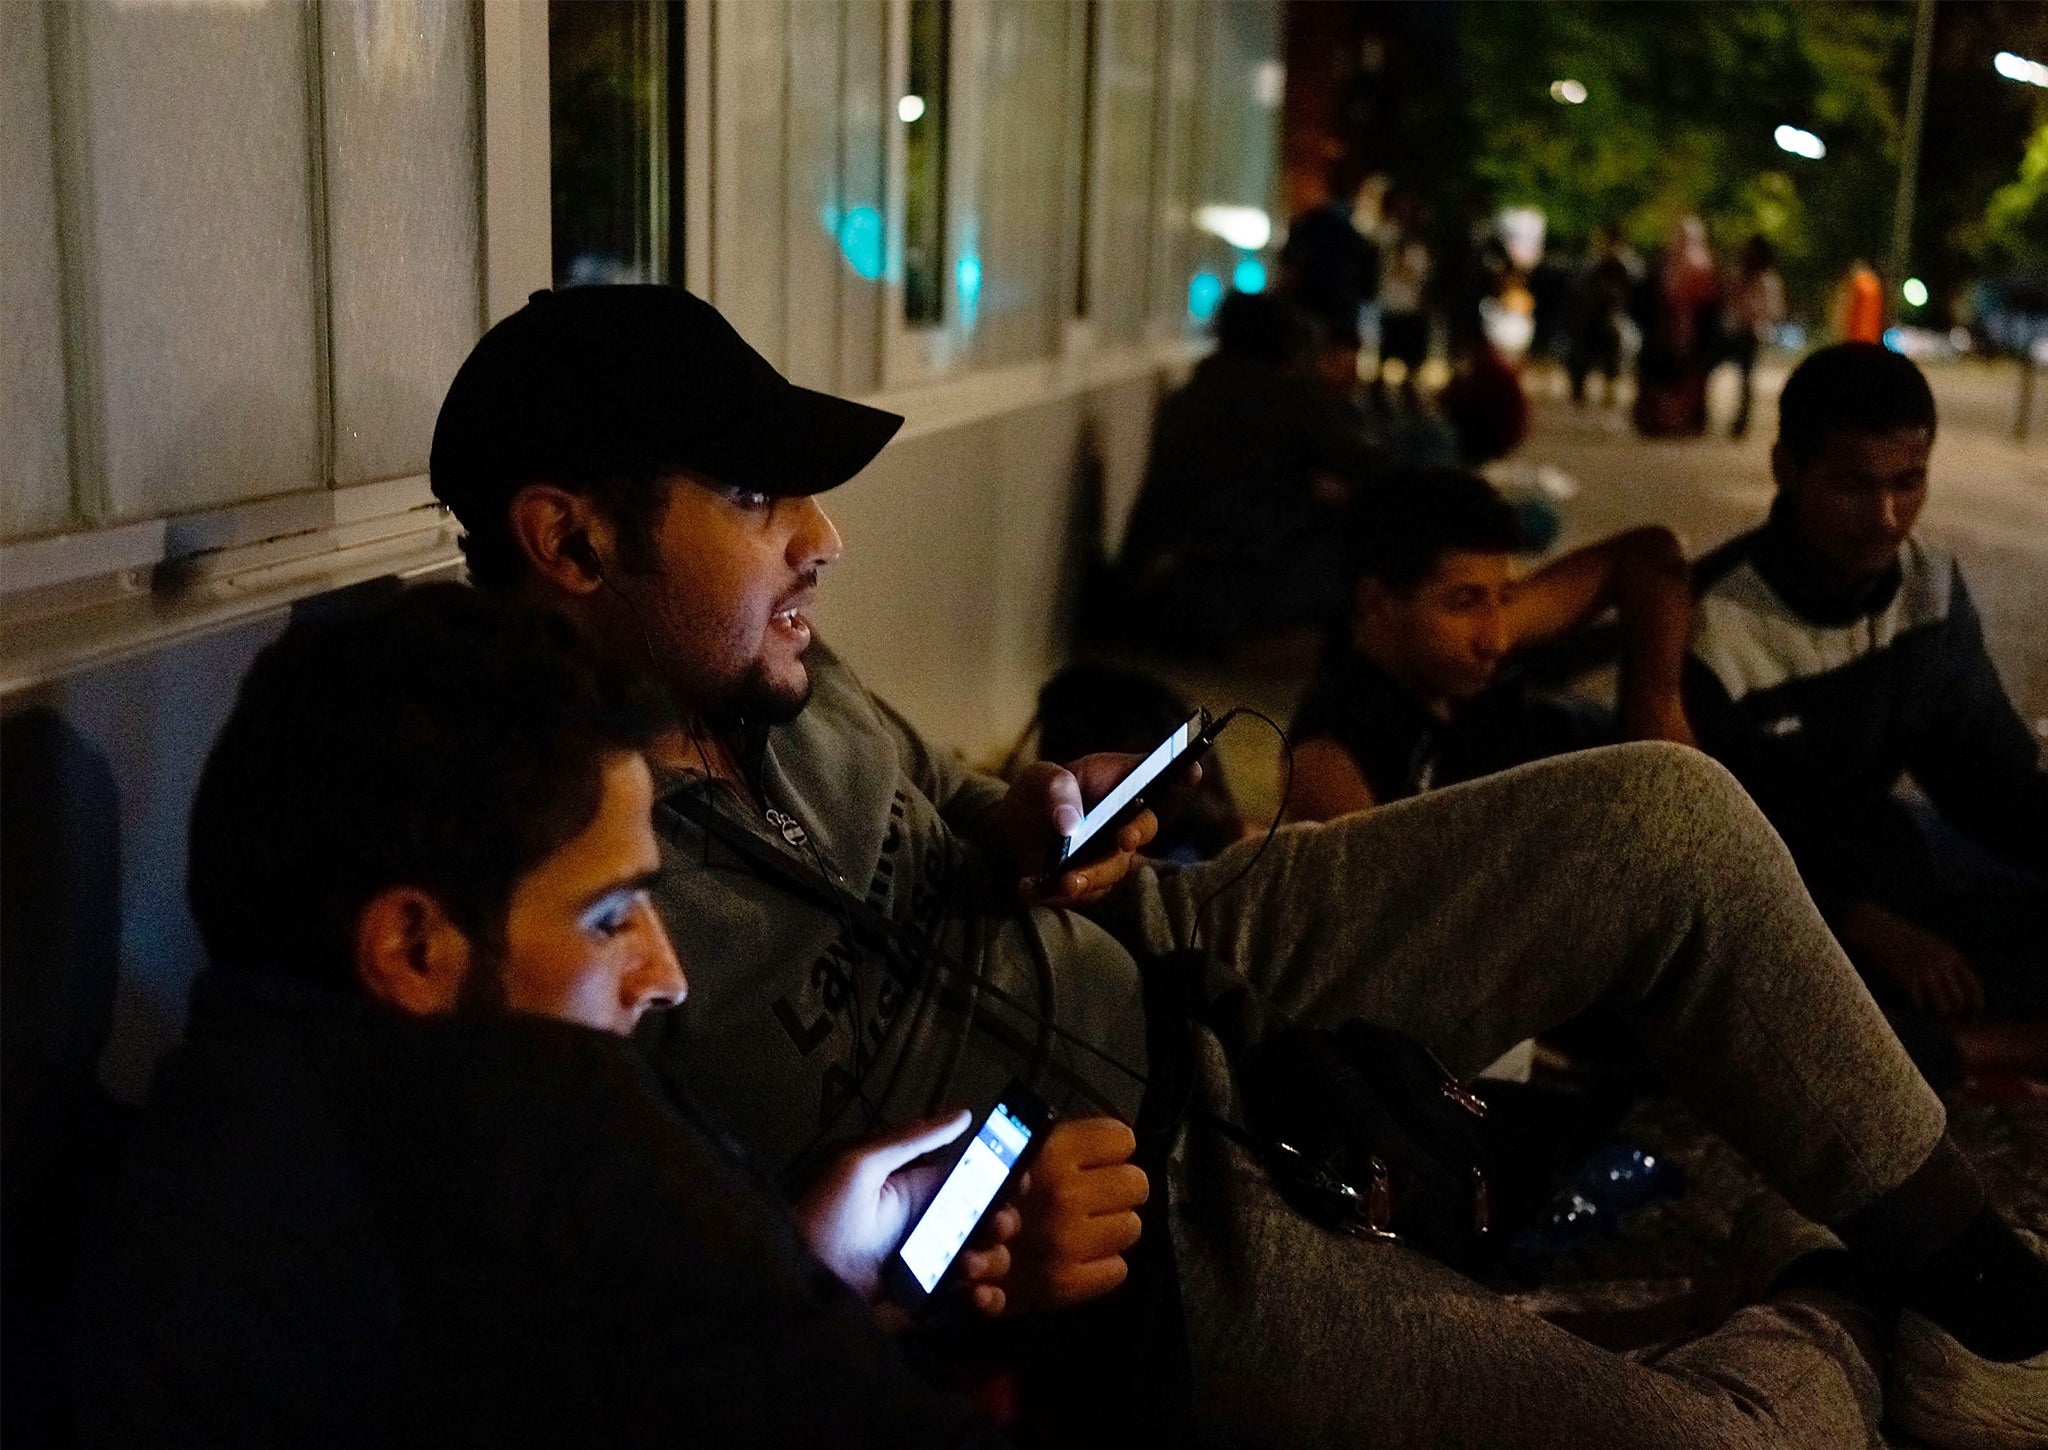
[[624, 457]]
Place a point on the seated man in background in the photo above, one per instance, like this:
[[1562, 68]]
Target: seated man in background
[[875, 931], [1835, 653], [406, 1182], [1237, 530], [1420, 690]]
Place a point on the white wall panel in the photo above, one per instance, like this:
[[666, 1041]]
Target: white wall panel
[[865, 110], [749, 160], [1015, 231], [1178, 159], [35, 452], [189, 193], [402, 196], [811, 224], [1127, 46]]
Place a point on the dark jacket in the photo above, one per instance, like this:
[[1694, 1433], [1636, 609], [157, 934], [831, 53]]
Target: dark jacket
[[340, 1226], [1819, 705], [1402, 750]]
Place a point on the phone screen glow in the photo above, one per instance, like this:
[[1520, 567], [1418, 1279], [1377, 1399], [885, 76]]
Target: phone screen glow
[[965, 1196], [1149, 770]]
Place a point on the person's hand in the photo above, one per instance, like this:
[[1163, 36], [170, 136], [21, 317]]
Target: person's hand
[[1079, 1204], [856, 1214], [1931, 974], [1663, 719], [1043, 804]]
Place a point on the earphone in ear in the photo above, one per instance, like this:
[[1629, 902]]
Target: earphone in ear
[[579, 548]]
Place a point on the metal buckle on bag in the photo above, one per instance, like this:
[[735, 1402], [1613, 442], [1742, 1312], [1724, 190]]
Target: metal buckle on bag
[[1367, 1215], [1465, 1098]]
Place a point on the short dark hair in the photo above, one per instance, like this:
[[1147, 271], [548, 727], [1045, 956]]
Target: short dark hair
[[1854, 387], [447, 740], [1261, 325], [1401, 528]]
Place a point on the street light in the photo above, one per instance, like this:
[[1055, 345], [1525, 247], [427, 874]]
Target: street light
[[909, 109], [2019, 68], [1915, 292], [1800, 143], [1568, 93]]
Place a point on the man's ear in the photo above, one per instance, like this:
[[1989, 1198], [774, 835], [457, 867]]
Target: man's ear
[[409, 953], [561, 535]]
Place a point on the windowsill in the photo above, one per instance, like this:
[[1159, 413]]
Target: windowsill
[[74, 601]]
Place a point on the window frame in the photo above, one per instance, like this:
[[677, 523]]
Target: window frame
[[80, 597]]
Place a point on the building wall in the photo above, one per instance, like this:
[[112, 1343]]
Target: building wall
[[154, 537]]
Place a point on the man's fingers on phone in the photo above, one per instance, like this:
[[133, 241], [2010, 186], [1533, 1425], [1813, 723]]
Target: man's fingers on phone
[[984, 1265], [1075, 1283], [1098, 1237], [1095, 1142], [989, 1301], [1000, 1226], [1138, 832], [1114, 1189]]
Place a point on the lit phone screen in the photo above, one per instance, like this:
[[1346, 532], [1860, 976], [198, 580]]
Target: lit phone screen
[[964, 1197], [1149, 770]]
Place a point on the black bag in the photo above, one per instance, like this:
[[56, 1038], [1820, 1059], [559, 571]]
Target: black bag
[[1365, 1131], [1362, 1129]]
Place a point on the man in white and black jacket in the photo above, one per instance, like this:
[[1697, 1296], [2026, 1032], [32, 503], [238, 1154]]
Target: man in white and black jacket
[[1835, 653]]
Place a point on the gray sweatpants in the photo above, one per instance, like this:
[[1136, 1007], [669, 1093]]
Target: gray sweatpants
[[1640, 876]]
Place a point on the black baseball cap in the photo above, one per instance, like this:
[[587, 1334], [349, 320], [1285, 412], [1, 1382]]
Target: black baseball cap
[[587, 382]]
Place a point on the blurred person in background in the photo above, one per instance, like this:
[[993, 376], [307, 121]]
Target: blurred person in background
[[1420, 690], [1237, 531], [1835, 653], [1679, 312], [1601, 327], [1753, 305], [1859, 304], [1403, 295], [1328, 268]]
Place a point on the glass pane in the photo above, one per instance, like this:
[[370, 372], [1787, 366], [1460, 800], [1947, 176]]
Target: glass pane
[[189, 191], [1084, 264], [1009, 262], [35, 482], [1123, 241], [609, 72], [922, 109], [402, 181]]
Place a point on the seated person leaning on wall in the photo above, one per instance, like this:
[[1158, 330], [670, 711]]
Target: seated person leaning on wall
[[1836, 652], [1420, 690], [378, 1195]]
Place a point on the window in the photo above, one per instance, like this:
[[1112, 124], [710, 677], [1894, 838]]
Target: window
[[1084, 265], [922, 111], [243, 242], [614, 93]]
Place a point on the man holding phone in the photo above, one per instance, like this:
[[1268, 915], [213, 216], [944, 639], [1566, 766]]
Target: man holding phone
[[878, 936], [405, 1182]]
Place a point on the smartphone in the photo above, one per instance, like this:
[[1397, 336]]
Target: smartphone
[[1187, 743], [993, 1156]]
